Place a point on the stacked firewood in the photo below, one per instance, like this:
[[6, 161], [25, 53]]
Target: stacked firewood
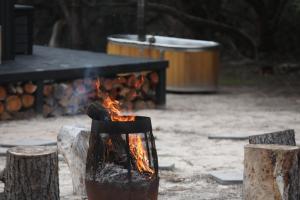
[[67, 98], [16, 99], [134, 91]]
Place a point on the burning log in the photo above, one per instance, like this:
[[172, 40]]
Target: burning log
[[31, 173], [30, 88], [3, 93], [13, 103], [97, 112], [115, 143], [27, 100], [271, 172]]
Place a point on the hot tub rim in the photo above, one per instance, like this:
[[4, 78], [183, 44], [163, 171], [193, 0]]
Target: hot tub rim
[[115, 39]]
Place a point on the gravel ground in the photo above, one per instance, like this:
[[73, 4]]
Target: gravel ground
[[181, 130]]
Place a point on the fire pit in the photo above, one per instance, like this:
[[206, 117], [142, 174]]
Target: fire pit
[[122, 159]]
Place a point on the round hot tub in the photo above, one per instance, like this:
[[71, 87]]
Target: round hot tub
[[193, 64]]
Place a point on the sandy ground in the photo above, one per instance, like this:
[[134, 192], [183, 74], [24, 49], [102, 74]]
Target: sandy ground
[[181, 130]]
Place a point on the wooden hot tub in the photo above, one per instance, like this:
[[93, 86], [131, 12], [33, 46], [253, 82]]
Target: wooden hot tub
[[193, 64]]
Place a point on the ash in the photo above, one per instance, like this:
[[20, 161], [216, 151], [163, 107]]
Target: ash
[[117, 175]]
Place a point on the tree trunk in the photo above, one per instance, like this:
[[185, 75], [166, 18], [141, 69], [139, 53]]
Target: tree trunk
[[271, 172], [31, 173], [286, 137]]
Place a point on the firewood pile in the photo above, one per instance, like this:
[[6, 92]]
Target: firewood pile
[[133, 91], [17, 100]]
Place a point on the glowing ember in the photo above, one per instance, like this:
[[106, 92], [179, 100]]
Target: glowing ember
[[135, 141]]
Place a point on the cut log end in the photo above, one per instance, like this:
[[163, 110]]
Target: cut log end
[[28, 100], [21, 168], [13, 103], [30, 88], [271, 171], [3, 93]]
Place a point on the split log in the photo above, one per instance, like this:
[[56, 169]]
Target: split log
[[121, 80], [131, 80], [32, 173], [48, 90], [79, 87], [146, 87], [11, 89], [27, 100], [124, 91], [271, 172], [72, 143], [154, 78], [108, 84], [80, 90], [131, 95], [30, 88], [19, 90], [13, 103], [2, 109], [62, 90], [3, 93], [286, 137]]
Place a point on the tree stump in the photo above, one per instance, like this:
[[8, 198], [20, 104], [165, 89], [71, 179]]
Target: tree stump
[[31, 173], [271, 172], [73, 143], [286, 137]]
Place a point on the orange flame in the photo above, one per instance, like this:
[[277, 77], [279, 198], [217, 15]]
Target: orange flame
[[137, 149], [135, 141]]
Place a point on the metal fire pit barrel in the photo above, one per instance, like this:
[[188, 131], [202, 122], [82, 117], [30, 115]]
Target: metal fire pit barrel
[[112, 170], [193, 64]]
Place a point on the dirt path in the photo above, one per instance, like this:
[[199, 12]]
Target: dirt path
[[181, 130]]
